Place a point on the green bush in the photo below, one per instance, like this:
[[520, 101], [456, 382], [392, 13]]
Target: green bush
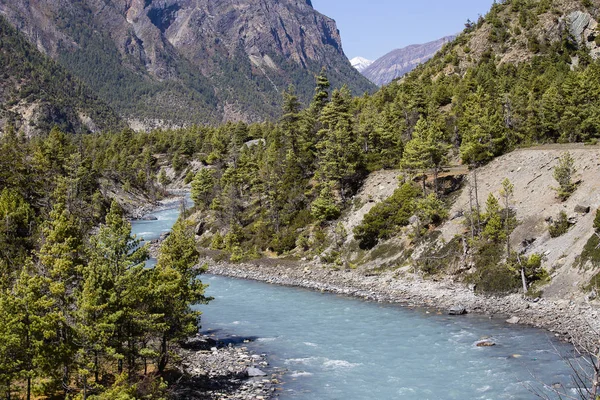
[[563, 173], [560, 226], [387, 217], [597, 221]]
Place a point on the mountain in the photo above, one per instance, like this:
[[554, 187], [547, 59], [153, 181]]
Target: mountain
[[36, 93], [360, 63], [401, 61], [175, 62]]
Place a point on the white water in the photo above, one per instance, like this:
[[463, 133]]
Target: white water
[[335, 347]]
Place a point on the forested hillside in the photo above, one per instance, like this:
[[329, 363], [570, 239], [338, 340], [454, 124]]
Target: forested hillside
[[37, 94], [186, 62], [80, 314]]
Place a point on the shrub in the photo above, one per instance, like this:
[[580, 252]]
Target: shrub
[[563, 173], [597, 221], [324, 208], [387, 217], [560, 226]]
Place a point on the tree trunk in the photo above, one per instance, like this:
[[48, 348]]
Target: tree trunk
[[28, 388], [96, 372], [164, 358], [523, 280]]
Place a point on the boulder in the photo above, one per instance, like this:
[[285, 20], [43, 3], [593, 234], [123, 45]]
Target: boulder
[[582, 209], [164, 235], [148, 218], [578, 21], [254, 372], [457, 310], [513, 320], [485, 343]]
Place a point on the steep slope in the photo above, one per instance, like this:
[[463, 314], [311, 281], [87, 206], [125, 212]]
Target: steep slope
[[37, 94], [401, 61], [183, 61]]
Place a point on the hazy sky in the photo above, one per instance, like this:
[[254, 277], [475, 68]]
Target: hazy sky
[[372, 28]]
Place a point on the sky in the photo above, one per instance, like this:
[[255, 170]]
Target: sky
[[372, 28]]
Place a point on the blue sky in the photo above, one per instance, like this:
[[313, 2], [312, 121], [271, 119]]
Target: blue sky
[[372, 28]]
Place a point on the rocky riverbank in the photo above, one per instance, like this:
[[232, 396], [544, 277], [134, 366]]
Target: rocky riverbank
[[214, 370], [576, 321]]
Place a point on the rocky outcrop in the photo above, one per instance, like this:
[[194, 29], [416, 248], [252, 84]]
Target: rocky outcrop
[[187, 61], [401, 61]]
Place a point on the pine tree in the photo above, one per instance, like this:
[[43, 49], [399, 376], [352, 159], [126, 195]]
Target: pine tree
[[61, 259], [563, 173], [340, 156], [117, 277], [176, 287], [493, 230], [203, 188], [426, 151]]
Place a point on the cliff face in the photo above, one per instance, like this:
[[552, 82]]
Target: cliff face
[[181, 61], [401, 61]]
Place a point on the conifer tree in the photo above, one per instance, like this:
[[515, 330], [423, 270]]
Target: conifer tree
[[117, 278], [61, 259], [426, 151], [176, 287], [203, 187]]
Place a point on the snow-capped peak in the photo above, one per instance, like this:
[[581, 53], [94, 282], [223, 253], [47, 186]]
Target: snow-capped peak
[[360, 63]]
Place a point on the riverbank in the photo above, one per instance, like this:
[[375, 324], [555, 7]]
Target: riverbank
[[568, 320], [210, 369]]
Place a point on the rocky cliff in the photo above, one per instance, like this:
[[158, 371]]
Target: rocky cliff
[[169, 62], [401, 61]]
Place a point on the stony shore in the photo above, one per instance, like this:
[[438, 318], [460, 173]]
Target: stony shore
[[213, 370], [569, 320]]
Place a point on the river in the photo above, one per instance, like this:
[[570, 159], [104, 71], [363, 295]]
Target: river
[[335, 347]]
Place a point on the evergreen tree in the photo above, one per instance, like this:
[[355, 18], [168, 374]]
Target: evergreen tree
[[563, 173], [203, 188], [176, 287], [61, 258], [117, 277], [340, 156], [426, 151]]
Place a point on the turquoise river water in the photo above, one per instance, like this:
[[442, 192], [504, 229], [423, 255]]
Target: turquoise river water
[[335, 347]]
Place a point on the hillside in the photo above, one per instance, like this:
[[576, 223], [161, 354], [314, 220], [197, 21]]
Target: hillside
[[181, 61], [397, 63], [36, 93], [336, 198]]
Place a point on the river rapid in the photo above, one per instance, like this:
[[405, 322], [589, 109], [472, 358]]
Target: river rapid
[[336, 347]]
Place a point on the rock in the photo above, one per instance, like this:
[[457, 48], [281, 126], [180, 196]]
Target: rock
[[527, 242], [582, 209], [457, 310], [148, 218], [578, 21], [485, 343], [458, 214], [513, 320], [254, 372], [164, 235]]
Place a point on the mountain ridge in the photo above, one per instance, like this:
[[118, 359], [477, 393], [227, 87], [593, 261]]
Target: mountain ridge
[[177, 62], [400, 61]]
